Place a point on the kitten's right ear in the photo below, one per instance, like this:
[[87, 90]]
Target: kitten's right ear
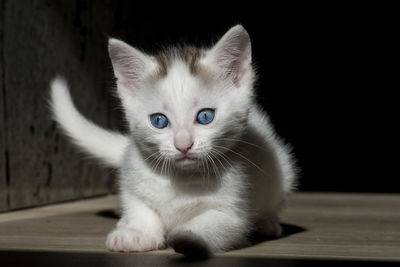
[[232, 54], [129, 64]]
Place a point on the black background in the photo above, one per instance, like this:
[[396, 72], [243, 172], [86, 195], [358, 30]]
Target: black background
[[327, 78], [324, 76]]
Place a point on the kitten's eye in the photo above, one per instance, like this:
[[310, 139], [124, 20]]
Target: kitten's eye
[[205, 116], [159, 120]]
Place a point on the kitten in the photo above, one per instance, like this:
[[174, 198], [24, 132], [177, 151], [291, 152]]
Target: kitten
[[201, 168]]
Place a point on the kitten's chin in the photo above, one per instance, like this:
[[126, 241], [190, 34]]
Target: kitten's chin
[[187, 163]]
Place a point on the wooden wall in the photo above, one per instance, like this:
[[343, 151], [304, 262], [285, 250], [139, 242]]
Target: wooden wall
[[39, 39], [3, 152]]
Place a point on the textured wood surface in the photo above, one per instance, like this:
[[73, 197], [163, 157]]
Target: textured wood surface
[[318, 226], [3, 149], [40, 39], [76, 259]]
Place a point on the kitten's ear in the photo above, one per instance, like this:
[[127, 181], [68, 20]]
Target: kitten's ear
[[130, 65], [232, 54]]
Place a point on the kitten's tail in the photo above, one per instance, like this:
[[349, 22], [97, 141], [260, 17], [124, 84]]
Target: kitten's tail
[[103, 144]]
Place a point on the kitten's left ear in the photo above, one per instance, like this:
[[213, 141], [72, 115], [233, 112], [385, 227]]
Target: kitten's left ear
[[130, 65], [232, 54]]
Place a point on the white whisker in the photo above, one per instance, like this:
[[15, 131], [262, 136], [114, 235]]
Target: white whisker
[[215, 168], [217, 158], [223, 156], [241, 141], [243, 157]]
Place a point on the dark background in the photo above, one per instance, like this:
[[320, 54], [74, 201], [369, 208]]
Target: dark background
[[320, 77], [325, 76]]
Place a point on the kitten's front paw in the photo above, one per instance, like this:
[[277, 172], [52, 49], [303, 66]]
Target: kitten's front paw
[[124, 239]]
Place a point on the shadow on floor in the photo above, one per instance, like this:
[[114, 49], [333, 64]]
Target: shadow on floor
[[256, 238], [287, 230], [110, 214]]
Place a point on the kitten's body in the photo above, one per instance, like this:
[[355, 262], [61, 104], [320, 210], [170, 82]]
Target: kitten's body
[[231, 179]]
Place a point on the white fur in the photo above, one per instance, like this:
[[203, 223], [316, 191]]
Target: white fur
[[245, 173], [106, 145]]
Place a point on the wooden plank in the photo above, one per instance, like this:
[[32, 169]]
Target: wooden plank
[[338, 226], [3, 132], [335, 226], [42, 39], [62, 259]]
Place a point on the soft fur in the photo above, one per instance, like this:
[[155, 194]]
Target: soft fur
[[236, 174]]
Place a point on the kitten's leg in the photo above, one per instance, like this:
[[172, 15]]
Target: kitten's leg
[[207, 233], [139, 229]]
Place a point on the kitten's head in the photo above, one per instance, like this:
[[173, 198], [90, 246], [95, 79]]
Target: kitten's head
[[186, 105]]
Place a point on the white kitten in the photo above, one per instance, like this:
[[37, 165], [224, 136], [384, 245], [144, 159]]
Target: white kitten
[[201, 168]]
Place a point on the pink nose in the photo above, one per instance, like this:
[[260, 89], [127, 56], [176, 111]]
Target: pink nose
[[184, 150], [183, 141]]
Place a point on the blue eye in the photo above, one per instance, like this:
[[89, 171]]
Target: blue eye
[[205, 116], [159, 120]]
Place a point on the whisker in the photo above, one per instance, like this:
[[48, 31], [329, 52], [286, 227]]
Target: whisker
[[203, 166], [208, 172], [171, 167], [153, 163], [217, 158], [159, 158], [243, 157], [162, 166], [224, 157], [151, 155], [215, 168], [242, 141], [167, 167]]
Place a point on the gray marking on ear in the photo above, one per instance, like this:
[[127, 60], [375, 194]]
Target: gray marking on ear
[[130, 65]]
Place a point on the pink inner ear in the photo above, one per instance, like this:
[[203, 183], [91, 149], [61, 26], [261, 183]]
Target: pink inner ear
[[126, 86], [239, 75], [241, 68], [233, 54], [125, 83]]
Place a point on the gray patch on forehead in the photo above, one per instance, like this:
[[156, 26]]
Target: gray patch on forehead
[[188, 54]]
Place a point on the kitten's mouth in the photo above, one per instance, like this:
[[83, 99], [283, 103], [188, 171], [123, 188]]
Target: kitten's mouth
[[186, 160]]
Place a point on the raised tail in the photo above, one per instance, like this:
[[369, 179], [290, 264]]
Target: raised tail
[[100, 143]]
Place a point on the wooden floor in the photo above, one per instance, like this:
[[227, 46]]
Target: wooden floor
[[341, 227]]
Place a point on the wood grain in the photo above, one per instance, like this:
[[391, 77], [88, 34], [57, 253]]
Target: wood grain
[[3, 132], [76, 259], [336, 226], [42, 39]]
